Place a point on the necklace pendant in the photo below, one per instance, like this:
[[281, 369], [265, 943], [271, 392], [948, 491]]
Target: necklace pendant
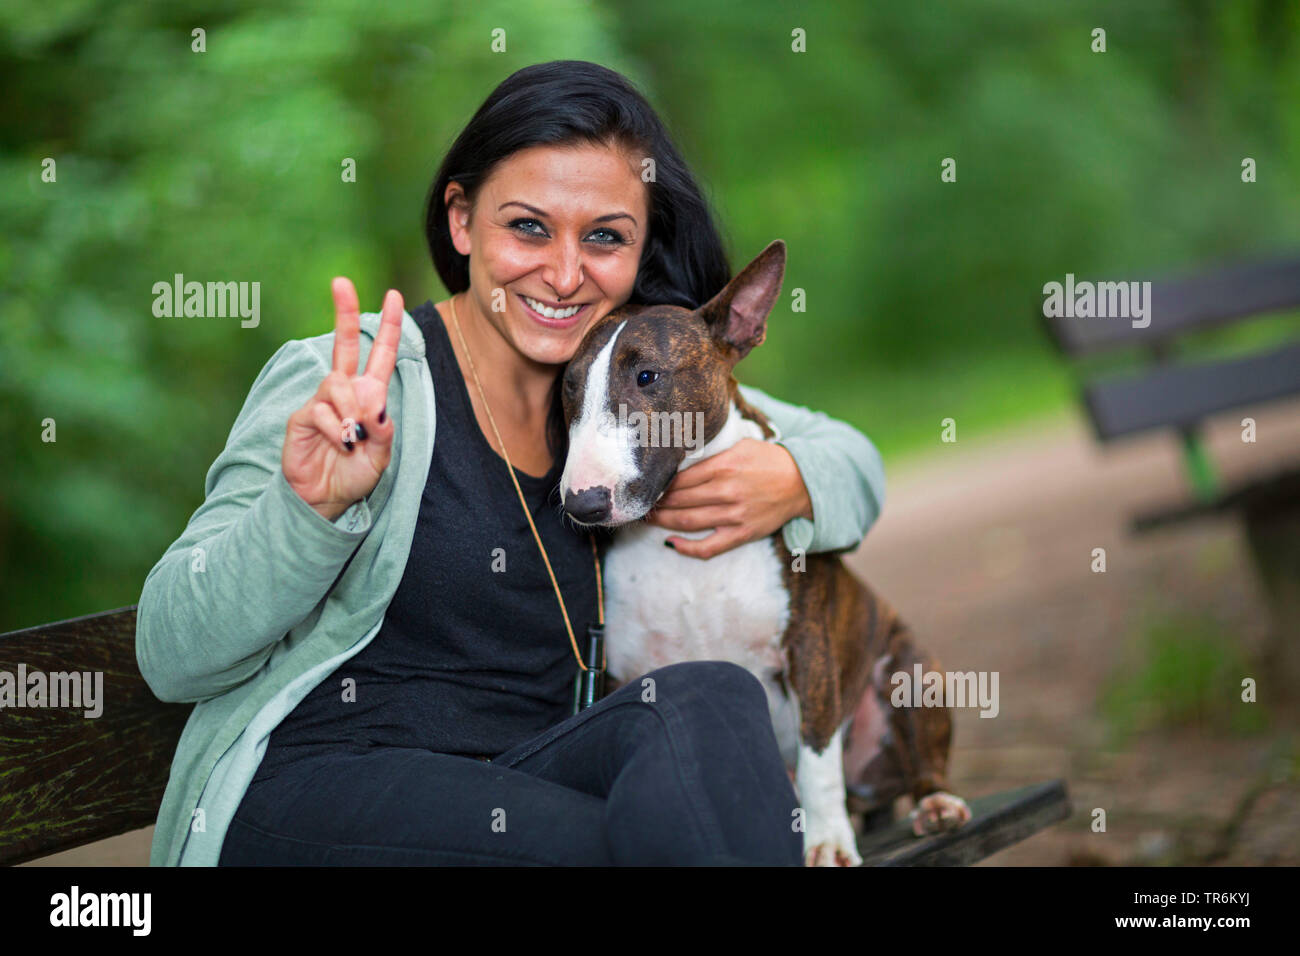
[[589, 685]]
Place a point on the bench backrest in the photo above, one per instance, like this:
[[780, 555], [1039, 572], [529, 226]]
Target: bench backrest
[[67, 779], [1179, 395]]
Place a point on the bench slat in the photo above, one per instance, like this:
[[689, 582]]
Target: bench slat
[[1182, 395], [997, 821], [71, 779], [1187, 303]]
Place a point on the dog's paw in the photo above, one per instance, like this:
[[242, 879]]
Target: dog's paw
[[831, 844], [938, 812]]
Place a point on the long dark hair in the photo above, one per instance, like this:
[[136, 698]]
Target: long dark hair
[[561, 103], [567, 102]]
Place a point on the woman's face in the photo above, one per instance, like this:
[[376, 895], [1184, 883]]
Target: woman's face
[[554, 229]]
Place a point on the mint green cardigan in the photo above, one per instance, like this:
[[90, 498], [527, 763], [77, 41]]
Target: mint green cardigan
[[243, 614]]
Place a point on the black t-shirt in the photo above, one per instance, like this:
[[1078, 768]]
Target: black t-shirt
[[469, 660]]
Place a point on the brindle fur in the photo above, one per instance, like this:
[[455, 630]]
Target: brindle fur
[[836, 619]]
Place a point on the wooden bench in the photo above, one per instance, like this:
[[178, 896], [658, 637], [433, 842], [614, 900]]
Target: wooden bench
[[997, 821], [1169, 393], [69, 780]]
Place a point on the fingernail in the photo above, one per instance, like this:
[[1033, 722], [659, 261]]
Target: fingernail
[[383, 414], [349, 445], [361, 432], [669, 544]]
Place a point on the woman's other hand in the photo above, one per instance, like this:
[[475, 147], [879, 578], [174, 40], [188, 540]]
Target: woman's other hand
[[745, 493], [330, 467]]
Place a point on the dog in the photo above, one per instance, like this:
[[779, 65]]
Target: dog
[[822, 644]]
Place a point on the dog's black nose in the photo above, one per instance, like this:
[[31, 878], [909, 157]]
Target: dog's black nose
[[590, 505]]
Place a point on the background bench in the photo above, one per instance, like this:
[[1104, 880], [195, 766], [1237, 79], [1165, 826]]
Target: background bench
[[1180, 395], [70, 780]]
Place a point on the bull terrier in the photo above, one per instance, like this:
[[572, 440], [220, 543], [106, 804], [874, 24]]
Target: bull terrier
[[823, 645]]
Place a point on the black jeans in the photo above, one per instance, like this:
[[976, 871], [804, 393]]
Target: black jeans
[[693, 777]]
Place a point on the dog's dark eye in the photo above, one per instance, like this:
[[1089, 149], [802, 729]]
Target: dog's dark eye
[[645, 377]]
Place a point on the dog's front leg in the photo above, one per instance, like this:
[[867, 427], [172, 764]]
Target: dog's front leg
[[829, 839]]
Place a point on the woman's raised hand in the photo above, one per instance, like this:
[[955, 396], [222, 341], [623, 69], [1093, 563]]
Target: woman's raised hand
[[340, 442]]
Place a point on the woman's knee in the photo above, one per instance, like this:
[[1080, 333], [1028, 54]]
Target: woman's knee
[[709, 681]]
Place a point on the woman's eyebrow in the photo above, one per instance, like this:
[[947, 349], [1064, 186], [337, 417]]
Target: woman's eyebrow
[[538, 212]]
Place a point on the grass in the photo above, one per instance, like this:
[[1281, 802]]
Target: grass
[[1185, 672], [902, 409]]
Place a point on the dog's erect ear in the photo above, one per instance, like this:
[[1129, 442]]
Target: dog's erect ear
[[737, 315]]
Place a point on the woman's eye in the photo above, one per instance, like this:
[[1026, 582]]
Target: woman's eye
[[529, 227], [645, 377], [612, 238]]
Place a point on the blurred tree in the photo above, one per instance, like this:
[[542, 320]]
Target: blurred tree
[[920, 293], [226, 166]]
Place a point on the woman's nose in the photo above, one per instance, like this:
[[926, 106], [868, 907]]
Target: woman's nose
[[563, 272]]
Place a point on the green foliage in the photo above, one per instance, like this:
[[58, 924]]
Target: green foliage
[[921, 295], [1121, 164], [221, 166]]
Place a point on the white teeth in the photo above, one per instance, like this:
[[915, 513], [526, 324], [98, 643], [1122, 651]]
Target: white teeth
[[550, 313]]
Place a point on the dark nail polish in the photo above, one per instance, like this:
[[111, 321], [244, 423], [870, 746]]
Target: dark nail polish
[[383, 414], [361, 432], [349, 445], [669, 544]]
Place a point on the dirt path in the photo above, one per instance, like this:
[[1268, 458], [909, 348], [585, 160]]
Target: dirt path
[[986, 546]]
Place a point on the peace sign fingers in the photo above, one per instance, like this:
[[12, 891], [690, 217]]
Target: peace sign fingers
[[383, 354], [338, 444], [347, 326]]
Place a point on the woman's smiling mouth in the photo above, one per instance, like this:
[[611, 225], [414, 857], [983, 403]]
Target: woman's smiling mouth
[[549, 315]]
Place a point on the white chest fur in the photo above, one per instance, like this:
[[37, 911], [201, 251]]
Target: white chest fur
[[663, 607]]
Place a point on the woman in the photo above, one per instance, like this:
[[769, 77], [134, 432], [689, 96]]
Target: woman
[[362, 615]]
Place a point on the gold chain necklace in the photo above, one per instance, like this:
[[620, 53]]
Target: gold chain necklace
[[590, 680]]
